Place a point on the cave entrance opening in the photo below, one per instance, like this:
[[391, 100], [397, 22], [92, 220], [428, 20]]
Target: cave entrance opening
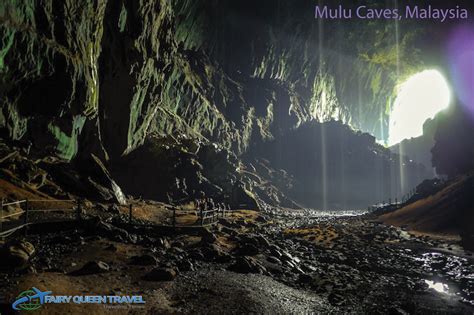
[[419, 98]]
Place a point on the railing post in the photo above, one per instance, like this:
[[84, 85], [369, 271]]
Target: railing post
[[78, 210], [25, 218], [26, 212], [174, 217], [1, 216], [130, 208]]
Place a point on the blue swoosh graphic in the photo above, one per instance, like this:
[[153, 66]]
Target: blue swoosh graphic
[[38, 294]]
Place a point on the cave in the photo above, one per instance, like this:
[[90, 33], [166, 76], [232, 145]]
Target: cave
[[178, 156]]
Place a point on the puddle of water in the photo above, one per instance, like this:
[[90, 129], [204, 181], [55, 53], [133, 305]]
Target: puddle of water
[[438, 286], [338, 213]]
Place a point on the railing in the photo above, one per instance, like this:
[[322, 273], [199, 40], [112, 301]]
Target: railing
[[27, 215], [202, 217], [396, 204]]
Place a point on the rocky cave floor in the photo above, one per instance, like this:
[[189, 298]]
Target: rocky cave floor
[[276, 261]]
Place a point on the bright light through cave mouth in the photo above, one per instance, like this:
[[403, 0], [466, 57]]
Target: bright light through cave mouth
[[421, 97]]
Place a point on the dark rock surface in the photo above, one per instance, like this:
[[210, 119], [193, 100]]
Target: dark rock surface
[[306, 261], [90, 268], [247, 265], [16, 255], [243, 294], [143, 260]]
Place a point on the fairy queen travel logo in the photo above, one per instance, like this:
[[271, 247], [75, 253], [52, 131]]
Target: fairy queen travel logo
[[34, 299]]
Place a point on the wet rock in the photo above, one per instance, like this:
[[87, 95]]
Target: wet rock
[[274, 260], [185, 265], [114, 209], [178, 244], [110, 231], [304, 278], [308, 268], [208, 237], [262, 240], [101, 207], [397, 311], [214, 253], [288, 258], [336, 299], [196, 255], [44, 263], [228, 231], [247, 265], [438, 264], [92, 267], [275, 251], [143, 260], [247, 250], [111, 248], [289, 263], [16, 255], [161, 274], [163, 243], [297, 270], [177, 250]]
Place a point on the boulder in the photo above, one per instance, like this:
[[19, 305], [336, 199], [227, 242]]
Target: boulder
[[274, 260], [336, 299], [304, 278], [15, 255], [247, 250], [242, 198], [213, 252], [208, 237], [114, 209], [185, 265], [161, 274], [90, 268], [111, 247], [112, 232], [247, 265], [143, 260]]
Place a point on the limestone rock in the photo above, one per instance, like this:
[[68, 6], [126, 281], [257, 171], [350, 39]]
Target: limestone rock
[[143, 260], [161, 274], [16, 255], [92, 267], [247, 265]]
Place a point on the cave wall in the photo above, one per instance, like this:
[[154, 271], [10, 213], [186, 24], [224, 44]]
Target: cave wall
[[99, 76], [333, 69], [335, 167], [121, 79]]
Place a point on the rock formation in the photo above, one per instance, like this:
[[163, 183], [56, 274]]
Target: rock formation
[[105, 78]]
